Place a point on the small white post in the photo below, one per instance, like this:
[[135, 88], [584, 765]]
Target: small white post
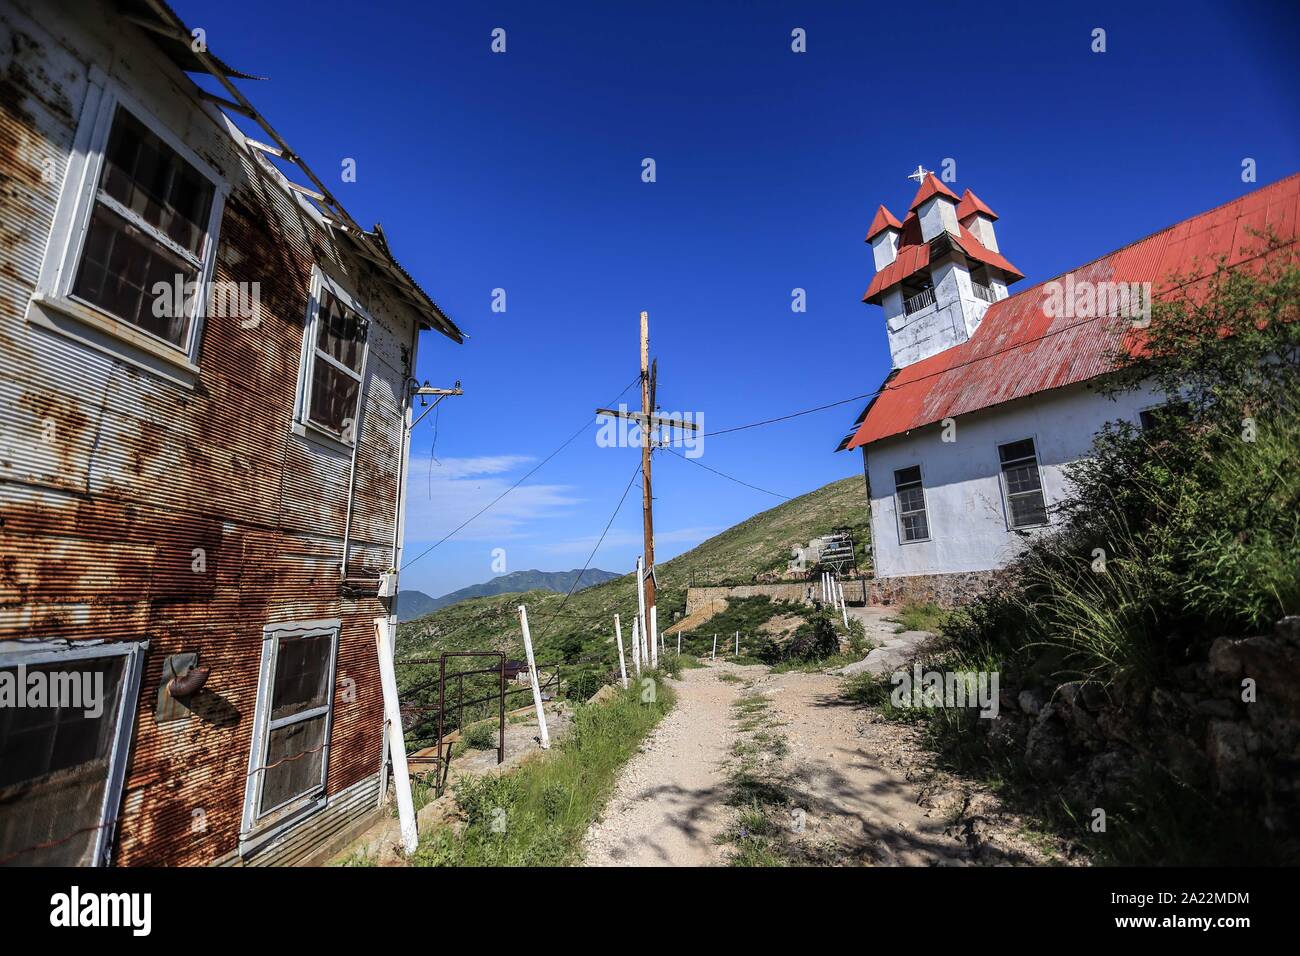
[[715, 647], [679, 643], [396, 743], [640, 613], [737, 643], [532, 673], [654, 636], [844, 607], [622, 663], [636, 648]]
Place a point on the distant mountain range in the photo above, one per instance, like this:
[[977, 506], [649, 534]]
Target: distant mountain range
[[414, 604]]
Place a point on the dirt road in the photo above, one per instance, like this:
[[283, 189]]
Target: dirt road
[[856, 789]]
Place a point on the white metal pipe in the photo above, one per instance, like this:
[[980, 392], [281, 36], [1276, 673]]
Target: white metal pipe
[[715, 647], [532, 674], [640, 604], [396, 743]]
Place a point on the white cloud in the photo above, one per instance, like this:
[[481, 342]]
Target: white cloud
[[441, 496]]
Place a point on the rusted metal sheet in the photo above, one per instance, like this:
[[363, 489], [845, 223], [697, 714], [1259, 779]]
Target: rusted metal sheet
[[1020, 350], [111, 478]]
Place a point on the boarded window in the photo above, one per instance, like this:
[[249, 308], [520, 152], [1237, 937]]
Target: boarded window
[[1023, 485], [63, 746], [910, 496], [148, 229]]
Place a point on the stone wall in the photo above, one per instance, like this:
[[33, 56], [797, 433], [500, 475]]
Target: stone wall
[[698, 599], [945, 590]]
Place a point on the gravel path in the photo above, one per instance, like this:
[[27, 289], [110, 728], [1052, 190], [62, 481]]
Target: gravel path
[[668, 805], [864, 790]]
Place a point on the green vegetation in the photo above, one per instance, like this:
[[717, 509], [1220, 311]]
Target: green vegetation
[[918, 616], [581, 636], [536, 814], [757, 836], [1177, 535]]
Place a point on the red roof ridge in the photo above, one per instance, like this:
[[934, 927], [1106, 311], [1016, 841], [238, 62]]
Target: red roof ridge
[[1129, 245], [971, 204], [930, 186], [884, 219]]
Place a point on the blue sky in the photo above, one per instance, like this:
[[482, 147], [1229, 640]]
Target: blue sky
[[522, 171]]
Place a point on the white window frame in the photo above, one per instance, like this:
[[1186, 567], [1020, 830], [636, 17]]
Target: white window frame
[[53, 305], [124, 733], [925, 507], [263, 824], [1006, 494], [303, 424]]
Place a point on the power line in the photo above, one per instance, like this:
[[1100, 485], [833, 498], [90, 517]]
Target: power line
[[599, 541], [720, 474], [585, 425]]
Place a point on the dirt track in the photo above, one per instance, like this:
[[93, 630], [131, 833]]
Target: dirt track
[[867, 790]]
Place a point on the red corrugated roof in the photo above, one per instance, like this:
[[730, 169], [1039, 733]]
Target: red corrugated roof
[[913, 256], [931, 186], [1019, 350], [971, 204], [883, 220]]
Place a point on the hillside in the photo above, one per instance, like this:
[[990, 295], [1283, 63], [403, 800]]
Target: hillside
[[585, 627], [415, 604]]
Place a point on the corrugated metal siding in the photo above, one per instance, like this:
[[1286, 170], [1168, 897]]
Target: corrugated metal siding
[[1019, 350], [99, 525]]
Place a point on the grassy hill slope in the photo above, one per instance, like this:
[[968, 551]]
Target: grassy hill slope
[[583, 629]]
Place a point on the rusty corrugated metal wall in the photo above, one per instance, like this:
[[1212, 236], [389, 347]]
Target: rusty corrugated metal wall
[[97, 526]]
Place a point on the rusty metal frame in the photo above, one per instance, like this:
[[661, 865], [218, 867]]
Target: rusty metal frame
[[371, 246]]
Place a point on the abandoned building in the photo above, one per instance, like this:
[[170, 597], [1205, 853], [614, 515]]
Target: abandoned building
[[991, 395], [206, 393]]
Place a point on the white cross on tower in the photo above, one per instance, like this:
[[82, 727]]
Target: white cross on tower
[[920, 173]]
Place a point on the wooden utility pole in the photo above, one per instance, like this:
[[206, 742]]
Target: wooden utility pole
[[647, 499], [648, 425]]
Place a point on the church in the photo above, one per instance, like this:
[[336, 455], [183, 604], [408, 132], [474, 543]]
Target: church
[[993, 392]]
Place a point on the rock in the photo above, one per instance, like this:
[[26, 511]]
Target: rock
[[1030, 701], [1228, 745], [1045, 748], [607, 692], [1287, 630], [1215, 707]]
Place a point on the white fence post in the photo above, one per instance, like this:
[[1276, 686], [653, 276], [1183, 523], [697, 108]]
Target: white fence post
[[636, 649], [715, 647], [737, 643], [532, 673], [654, 636], [622, 664]]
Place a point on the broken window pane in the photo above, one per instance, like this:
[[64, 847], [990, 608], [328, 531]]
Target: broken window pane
[[341, 333], [54, 761], [301, 675], [333, 396], [120, 266], [295, 756], [151, 179]]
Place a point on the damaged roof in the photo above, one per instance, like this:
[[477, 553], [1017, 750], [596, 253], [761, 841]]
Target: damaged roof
[[175, 40]]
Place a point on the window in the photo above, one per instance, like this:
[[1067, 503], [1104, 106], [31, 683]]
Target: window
[[1163, 416], [290, 753], [134, 241], [1022, 484], [334, 360], [66, 716], [910, 497]]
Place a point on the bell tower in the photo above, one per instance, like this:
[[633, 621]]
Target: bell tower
[[937, 271]]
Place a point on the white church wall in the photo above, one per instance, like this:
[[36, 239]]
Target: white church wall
[[884, 248], [962, 479]]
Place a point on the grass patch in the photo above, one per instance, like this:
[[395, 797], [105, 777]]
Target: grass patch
[[919, 616], [536, 815]]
